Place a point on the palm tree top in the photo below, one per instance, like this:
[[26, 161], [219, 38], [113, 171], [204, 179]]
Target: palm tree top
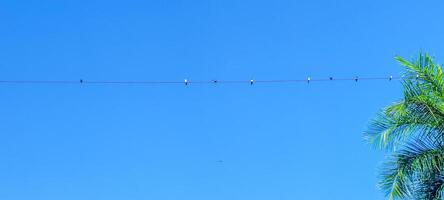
[[420, 110], [412, 129]]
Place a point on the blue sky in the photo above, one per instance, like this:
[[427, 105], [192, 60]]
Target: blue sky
[[276, 141]]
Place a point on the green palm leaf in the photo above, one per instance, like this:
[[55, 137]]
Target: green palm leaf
[[413, 130], [419, 160]]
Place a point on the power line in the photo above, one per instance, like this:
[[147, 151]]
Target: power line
[[189, 82]]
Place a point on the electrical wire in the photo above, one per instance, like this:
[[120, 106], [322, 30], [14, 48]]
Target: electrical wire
[[189, 82]]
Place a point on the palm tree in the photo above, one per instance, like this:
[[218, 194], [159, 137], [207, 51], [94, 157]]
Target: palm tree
[[412, 130]]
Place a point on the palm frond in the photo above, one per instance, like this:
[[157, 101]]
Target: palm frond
[[413, 129], [427, 74], [401, 121], [419, 113], [420, 160], [430, 187]]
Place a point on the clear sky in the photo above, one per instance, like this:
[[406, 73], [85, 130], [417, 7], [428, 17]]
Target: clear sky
[[165, 142]]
